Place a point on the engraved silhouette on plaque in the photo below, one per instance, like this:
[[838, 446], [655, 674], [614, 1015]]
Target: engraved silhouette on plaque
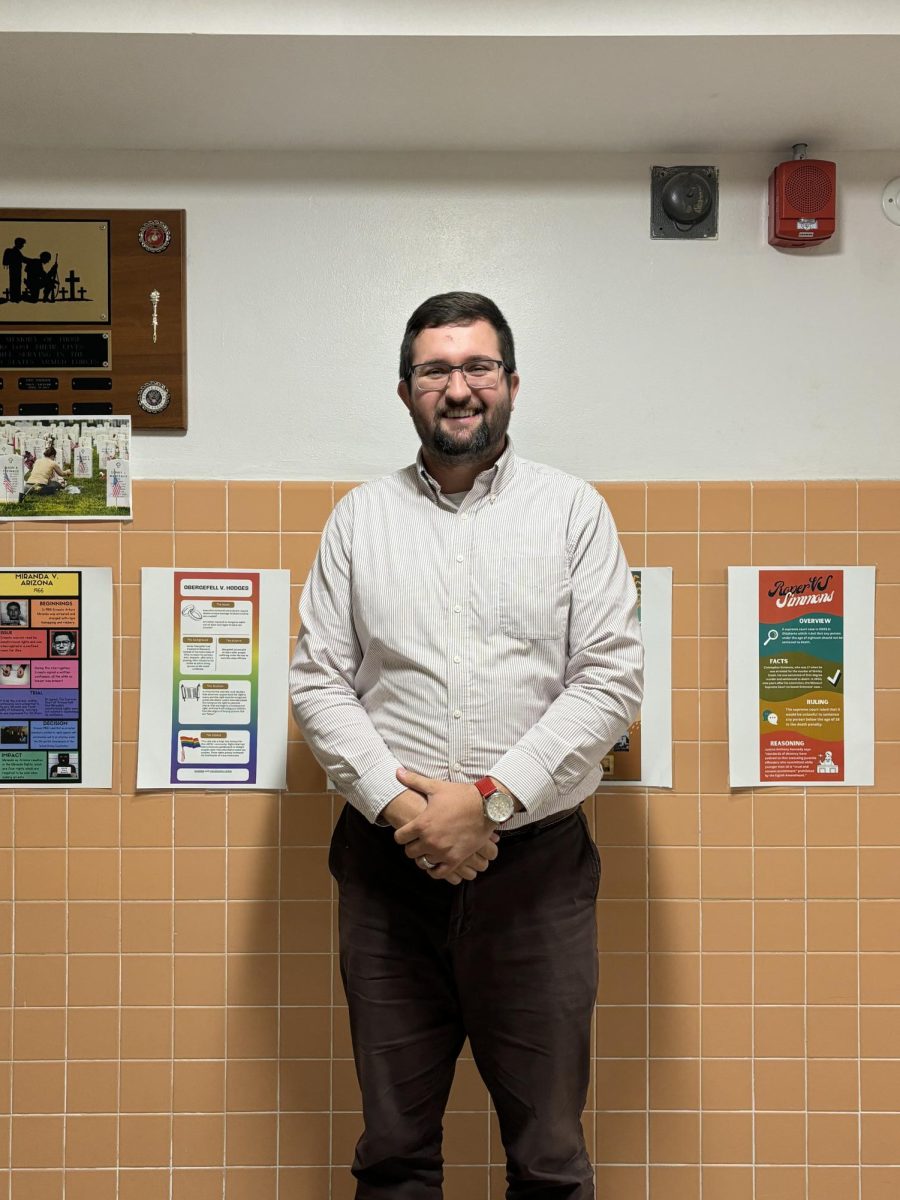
[[54, 272]]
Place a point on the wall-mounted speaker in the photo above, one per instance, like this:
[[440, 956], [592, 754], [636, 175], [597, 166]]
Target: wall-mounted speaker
[[684, 202], [802, 201]]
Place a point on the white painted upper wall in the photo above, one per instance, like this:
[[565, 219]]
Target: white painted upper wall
[[564, 18], [639, 359]]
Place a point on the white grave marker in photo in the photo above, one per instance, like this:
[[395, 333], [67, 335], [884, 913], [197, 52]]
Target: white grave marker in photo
[[118, 483], [12, 479]]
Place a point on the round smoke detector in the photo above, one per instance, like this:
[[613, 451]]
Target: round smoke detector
[[890, 201]]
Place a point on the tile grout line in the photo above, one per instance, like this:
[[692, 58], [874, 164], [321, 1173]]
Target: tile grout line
[[12, 1017], [172, 944], [331, 964], [806, 988], [647, 1058], [279, 893], [752, 917], [753, 979], [698, 522], [332, 888], [227, 1022], [805, 916], [120, 826], [858, 940], [118, 666]]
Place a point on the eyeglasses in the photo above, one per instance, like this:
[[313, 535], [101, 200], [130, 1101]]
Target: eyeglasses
[[477, 372]]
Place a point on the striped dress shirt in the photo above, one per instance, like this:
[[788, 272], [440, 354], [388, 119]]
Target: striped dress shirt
[[499, 637]]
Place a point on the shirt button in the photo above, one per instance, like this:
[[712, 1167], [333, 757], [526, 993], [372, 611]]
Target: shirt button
[[457, 608], [464, 516], [456, 714], [456, 658], [459, 558], [457, 766]]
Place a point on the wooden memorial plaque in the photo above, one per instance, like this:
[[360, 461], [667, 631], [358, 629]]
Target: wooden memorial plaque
[[92, 314]]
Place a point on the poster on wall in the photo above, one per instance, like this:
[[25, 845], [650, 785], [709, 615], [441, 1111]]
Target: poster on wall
[[801, 663], [213, 707], [59, 469], [643, 756], [56, 678]]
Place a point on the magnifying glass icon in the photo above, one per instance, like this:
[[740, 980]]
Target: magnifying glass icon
[[771, 636]]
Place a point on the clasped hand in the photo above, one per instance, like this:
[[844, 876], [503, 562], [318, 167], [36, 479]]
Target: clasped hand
[[451, 830]]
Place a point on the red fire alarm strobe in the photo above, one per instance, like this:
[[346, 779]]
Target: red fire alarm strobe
[[802, 196]]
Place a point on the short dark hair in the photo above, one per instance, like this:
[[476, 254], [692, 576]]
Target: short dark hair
[[50, 452], [456, 308]]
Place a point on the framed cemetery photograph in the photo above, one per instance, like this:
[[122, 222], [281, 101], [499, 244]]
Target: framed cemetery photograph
[[65, 469]]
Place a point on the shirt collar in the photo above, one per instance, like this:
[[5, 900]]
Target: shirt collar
[[491, 481]]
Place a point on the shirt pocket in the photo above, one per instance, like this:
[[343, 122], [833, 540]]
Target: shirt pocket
[[534, 596]]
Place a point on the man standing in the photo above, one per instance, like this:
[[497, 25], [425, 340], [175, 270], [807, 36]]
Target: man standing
[[469, 652]]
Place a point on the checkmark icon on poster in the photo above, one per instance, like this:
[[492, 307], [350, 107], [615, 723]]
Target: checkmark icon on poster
[[833, 679]]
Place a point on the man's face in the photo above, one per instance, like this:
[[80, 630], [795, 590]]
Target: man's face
[[62, 644], [460, 424], [14, 611]]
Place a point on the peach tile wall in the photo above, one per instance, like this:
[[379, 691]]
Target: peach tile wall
[[171, 1019]]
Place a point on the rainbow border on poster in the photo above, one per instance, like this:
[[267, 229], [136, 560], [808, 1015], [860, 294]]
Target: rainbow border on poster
[[252, 727]]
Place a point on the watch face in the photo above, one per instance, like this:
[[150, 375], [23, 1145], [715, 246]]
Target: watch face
[[499, 807]]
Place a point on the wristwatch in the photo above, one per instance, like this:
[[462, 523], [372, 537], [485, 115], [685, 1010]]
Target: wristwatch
[[498, 806]]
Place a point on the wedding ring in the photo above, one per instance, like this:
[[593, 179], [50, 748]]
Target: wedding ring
[[427, 863]]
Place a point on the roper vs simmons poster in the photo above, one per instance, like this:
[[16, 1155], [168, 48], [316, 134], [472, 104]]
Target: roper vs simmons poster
[[801, 675]]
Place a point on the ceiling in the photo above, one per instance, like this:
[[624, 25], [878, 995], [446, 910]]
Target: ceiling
[[288, 93]]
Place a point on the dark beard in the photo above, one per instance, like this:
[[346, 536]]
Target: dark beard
[[487, 439]]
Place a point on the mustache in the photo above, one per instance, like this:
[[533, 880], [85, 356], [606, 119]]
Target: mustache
[[460, 410]]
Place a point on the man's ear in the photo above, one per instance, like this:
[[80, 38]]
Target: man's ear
[[513, 381], [403, 392]]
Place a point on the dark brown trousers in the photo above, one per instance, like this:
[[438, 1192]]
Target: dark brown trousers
[[509, 961]]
